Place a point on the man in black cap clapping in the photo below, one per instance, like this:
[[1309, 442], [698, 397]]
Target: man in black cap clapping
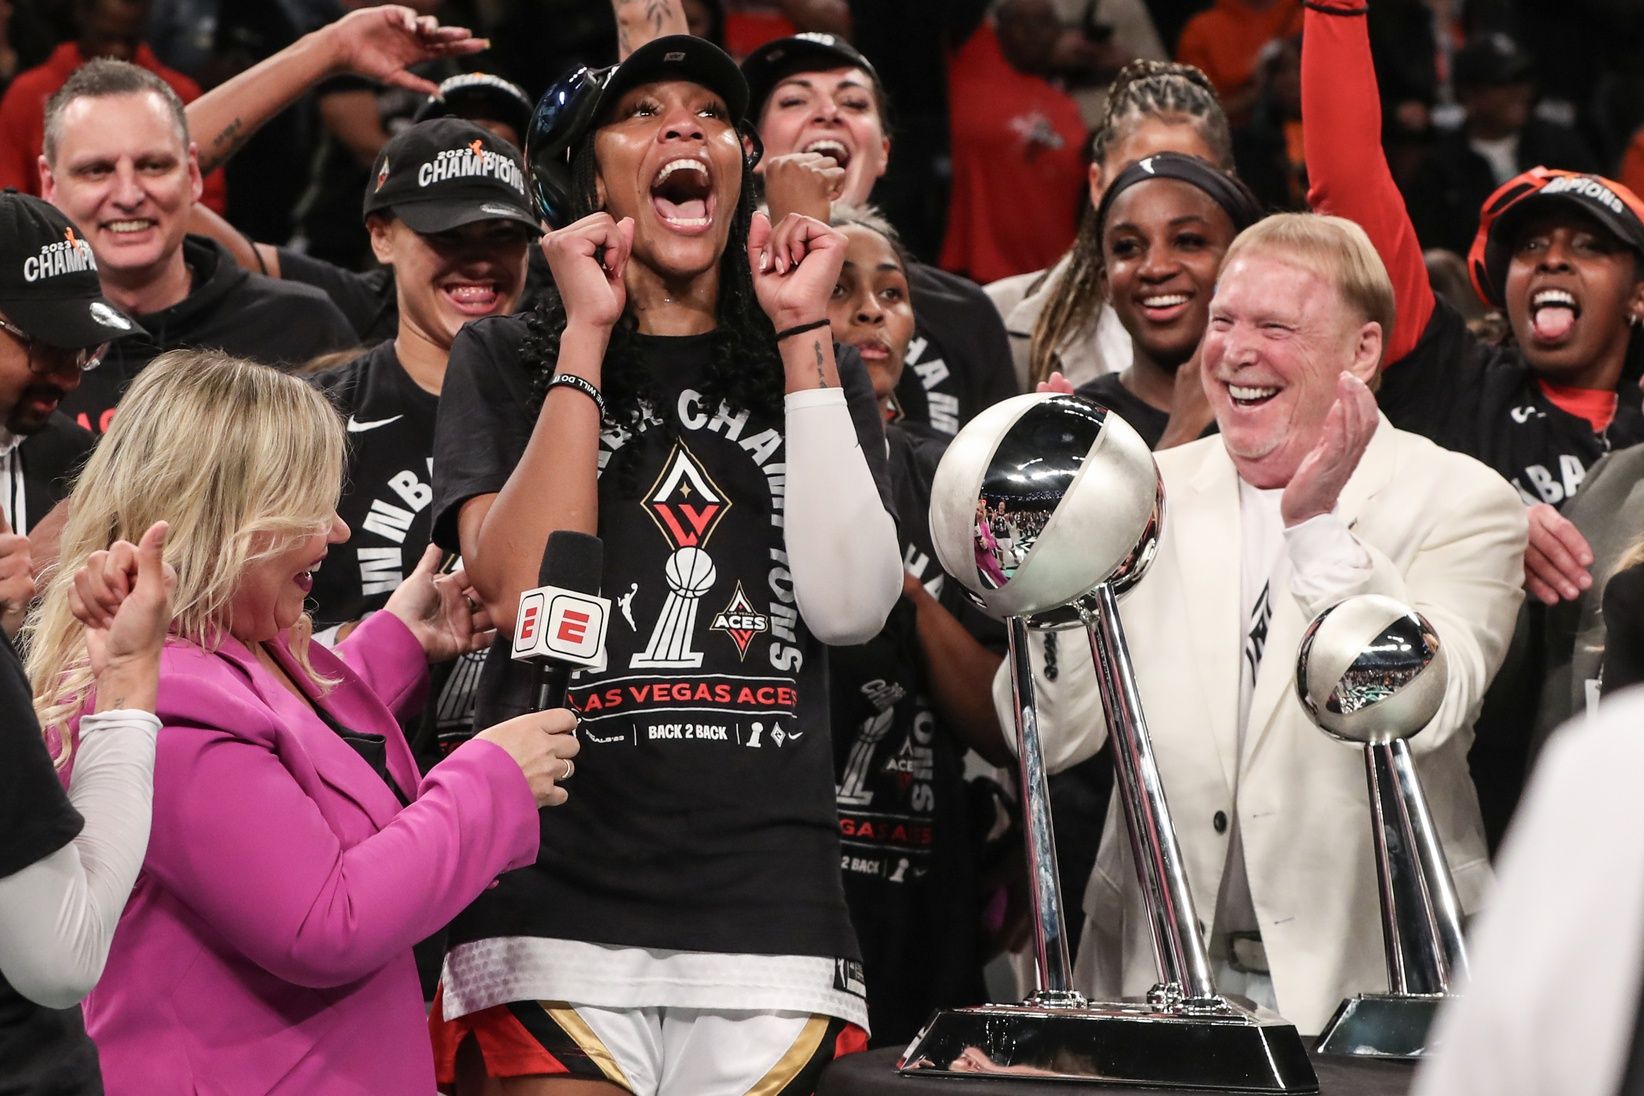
[[55, 323]]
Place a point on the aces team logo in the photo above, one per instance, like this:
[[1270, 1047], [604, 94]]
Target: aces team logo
[[687, 506], [741, 621]]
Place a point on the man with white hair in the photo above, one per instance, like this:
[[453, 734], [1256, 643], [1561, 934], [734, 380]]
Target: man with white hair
[[1306, 496]]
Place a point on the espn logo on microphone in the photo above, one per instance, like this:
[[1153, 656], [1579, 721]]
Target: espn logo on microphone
[[559, 624]]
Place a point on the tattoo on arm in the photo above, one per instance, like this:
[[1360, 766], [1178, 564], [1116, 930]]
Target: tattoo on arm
[[821, 373], [226, 143]]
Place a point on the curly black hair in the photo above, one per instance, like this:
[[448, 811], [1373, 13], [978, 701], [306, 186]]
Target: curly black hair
[[744, 369]]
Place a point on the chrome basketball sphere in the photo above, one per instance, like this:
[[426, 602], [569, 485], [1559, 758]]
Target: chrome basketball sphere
[[1039, 500], [1370, 669]]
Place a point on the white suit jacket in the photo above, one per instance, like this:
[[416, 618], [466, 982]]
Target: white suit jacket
[[1446, 535]]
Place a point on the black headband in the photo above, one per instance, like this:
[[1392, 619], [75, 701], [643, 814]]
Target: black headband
[[1225, 190]]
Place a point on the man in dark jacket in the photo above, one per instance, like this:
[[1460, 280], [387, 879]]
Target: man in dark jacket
[[118, 161]]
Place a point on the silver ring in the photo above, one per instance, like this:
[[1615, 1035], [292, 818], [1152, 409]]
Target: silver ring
[[570, 767]]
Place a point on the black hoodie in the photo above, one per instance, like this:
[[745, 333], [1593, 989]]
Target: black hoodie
[[279, 323]]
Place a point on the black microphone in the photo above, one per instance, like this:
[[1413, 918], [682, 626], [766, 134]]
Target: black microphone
[[560, 625]]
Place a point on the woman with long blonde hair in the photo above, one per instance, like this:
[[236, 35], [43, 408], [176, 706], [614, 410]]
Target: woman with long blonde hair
[[294, 856]]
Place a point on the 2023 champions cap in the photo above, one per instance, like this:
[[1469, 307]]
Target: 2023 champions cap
[[48, 278], [445, 173]]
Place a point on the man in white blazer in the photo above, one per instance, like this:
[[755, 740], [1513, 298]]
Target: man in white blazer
[[1306, 497]]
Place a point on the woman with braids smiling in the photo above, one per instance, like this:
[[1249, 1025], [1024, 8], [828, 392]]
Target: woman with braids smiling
[[676, 393]]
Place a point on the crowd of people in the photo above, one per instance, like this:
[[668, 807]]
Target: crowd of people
[[316, 326]]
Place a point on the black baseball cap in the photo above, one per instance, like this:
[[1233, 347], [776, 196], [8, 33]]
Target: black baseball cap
[[445, 173], [1490, 60], [579, 101], [774, 62], [1616, 208], [48, 278], [473, 95]]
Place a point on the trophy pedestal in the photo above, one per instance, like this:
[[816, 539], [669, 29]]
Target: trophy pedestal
[[1381, 1025], [1116, 1043]]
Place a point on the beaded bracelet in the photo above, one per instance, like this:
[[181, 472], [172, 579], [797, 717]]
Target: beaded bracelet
[[800, 329], [579, 384]]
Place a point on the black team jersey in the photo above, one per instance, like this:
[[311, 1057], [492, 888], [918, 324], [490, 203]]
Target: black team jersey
[[907, 852], [959, 360], [1484, 401], [387, 491], [703, 813]]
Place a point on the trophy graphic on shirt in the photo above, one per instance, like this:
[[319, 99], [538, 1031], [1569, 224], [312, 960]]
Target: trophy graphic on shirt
[[1371, 672], [1047, 508]]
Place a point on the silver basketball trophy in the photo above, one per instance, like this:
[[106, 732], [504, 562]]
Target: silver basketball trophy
[[1371, 672], [1046, 508]]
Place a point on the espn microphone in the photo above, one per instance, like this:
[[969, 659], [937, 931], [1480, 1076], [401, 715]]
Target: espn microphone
[[561, 623]]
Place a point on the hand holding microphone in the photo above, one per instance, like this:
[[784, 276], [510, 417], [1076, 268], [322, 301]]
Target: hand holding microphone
[[560, 627], [542, 744]]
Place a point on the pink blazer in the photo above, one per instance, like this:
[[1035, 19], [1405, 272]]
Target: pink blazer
[[267, 945]]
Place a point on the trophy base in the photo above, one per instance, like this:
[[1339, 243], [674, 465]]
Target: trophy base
[[1381, 1025], [1228, 1048]]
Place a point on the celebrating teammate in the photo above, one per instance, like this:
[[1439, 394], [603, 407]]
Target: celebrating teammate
[[684, 928]]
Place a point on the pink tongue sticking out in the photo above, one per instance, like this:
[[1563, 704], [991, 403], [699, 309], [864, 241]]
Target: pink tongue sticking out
[[692, 209], [1553, 322]]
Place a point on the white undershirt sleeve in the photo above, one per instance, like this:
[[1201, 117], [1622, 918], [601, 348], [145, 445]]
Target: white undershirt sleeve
[[57, 916], [842, 546], [1327, 562]]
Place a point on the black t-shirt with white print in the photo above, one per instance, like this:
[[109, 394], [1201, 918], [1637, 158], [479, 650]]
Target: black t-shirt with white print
[[959, 361], [906, 848], [703, 812], [1485, 401], [387, 491]]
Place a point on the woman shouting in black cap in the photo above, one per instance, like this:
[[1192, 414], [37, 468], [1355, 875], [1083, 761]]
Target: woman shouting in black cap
[[677, 393]]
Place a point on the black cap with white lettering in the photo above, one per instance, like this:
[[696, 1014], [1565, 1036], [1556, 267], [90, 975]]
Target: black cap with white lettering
[[446, 172], [48, 278], [774, 62], [1616, 209]]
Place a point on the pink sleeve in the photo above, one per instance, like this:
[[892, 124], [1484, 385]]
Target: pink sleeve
[[247, 849], [389, 659], [1346, 167]]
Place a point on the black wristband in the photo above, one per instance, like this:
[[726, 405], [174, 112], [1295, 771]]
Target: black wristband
[[800, 329], [579, 384], [1326, 9]]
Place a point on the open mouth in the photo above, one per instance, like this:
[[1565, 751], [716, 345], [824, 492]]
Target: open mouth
[[1251, 395], [829, 147], [1163, 307], [872, 350], [130, 225], [1553, 313], [473, 298], [682, 195]]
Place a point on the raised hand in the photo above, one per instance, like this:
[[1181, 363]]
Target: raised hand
[[795, 267], [445, 619], [382, 42], [542, 744], [1348, 428], [1557, 557], [122, 597], [587, 260], [807, 183]]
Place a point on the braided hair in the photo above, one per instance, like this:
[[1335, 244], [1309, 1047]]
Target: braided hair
[[744, 370], [1143, 89]]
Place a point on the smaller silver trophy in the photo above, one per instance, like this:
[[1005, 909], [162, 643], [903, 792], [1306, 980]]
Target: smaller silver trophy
[[1371, 672], [1046, 508]]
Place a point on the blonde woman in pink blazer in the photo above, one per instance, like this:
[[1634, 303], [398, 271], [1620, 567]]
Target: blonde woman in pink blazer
[[295, 855]]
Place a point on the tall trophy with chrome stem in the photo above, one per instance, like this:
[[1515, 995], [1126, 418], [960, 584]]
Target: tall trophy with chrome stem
[[1371, 672], [1047, 508]]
